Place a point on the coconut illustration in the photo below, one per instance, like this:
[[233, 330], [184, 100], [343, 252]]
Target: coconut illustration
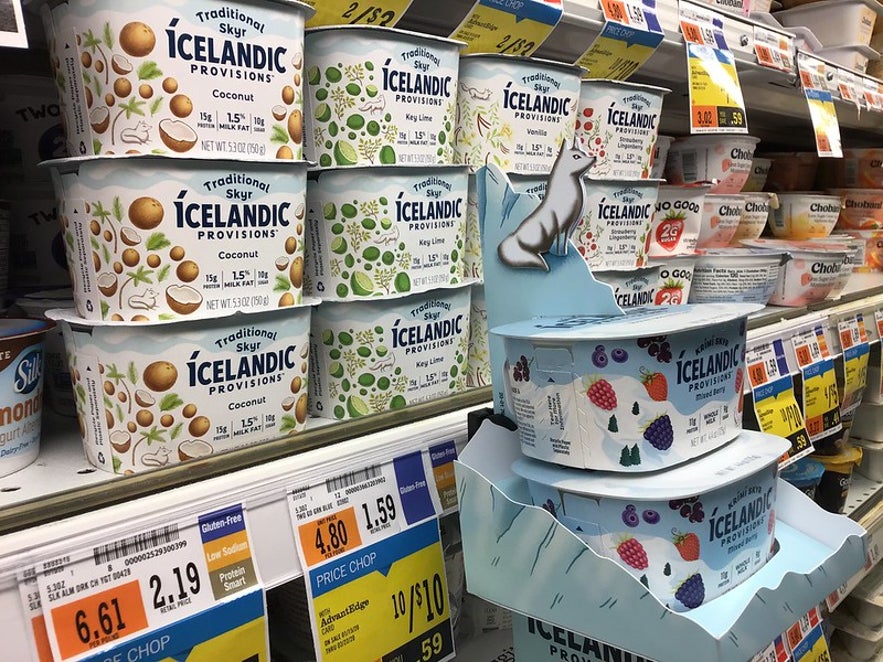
[[183, 299], [121, 65], [130, 237], [120, 440], [160, 376], [177, 135], [288, 403], [145, 213], [281, 263], [193, 449], [99, 119], [144, 399], [107, 283]]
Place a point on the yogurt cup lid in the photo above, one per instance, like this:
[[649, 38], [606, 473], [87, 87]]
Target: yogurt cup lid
[[420, 36], [386, 169], [790, 247], [635, 323], [70, 316], [738, 253], [747, 454], [849, 455], [13, 327], [73, 163], [804, 470], [573, 68], [627, 84]]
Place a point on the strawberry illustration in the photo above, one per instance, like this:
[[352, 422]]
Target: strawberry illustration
[[632, 552], [805, 279], [671, 227], [771, 522], [671, 293], [739, 379], [602, 395], [687, 544], [656, 385]]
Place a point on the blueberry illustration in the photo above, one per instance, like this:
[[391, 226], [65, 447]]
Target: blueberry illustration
[[650, 516], [619, 355], [599, 360], [630, 518]]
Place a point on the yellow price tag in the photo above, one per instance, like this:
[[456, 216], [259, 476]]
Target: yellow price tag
[[813, 74], [384, 13], [385, 601], [821, 400], [619, 51], [813, 647], [778, 413], [855, 377], [513, 27]]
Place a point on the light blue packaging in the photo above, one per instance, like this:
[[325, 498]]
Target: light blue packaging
[[637, 393], [373, 356], [373, 232], [689, 534]]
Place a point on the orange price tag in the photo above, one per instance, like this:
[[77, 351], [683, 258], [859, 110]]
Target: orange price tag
[[692, 33], [845, 338], [814, 426], [99, 619], [614, 10], [803, 355], [757, 373], [794, 635], [764, 55], [329, 536], [823, 143], [706, 116]]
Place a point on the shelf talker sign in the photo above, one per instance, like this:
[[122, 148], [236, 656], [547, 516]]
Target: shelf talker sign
[[773, 50], [186, 591], [821, 399], [630, 36], [813, 79], [381, 13], [511, 27], [856, 351], [716, 101], [371, 550], [775, 404]]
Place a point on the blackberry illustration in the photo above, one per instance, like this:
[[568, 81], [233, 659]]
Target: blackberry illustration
[[691, 592], [660, 433]]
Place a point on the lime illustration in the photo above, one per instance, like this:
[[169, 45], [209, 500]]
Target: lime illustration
[[338, 245], [348, 210], [397, 402], [355, 122], [323, 112], [345, 154], [333, 74], [403, 282], [387, 155], [356, 407], [345, 338], [313, 75], [329, 211], [336, 370], [371, 253], [327, 337], [362, 284]]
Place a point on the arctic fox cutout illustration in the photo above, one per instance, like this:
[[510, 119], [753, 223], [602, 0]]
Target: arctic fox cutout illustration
[[549, 227]]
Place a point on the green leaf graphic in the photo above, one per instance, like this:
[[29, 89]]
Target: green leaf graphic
[[170, 401], [117, 208], [176, 431], [163, 273], [133, 373], [157, 241], [279, 134], [155, 105], [282, 284], [108, 35], [148, 71]]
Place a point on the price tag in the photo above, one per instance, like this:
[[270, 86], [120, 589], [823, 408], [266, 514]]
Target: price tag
[[29, 593], [515, 28], [813, 78], [773, 50], [871, 95], [385, 13], [631, 34], [812, 648], [742, 7], [778, 413], [766, 362], [856, 352], [849, 87], [370, 543], [716, 102], [442, 458], [821, 399], [775, 652], [810, 345], [187, 586]]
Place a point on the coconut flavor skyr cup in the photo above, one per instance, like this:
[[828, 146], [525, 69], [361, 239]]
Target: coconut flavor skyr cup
[[374, 356], [378, 231], [514, 112], [191, 79], [21, 378], [380, 96], [636, 393], [618, 122], [156, 239], [155, 394]]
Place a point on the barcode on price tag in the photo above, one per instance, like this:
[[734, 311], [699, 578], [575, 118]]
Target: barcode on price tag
[[343, 481], [134, 544], [773, 50]]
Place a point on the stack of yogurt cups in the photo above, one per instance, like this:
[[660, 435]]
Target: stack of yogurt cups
[[386, 221], [183, 222]]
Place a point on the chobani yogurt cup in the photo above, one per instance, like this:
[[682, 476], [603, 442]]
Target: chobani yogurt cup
[[374, 356], [735, 274], [853, 259], [30, 128], [661, 283], [861, 208], [157, 239], [760, 168], [689, 534], [57, 389], [155, 394], [660, 155], [809, 273], [618, 122], [479, 359], [870, 254], [39, 259], [514, 112], [676, 221], [862, 168], [754, 215], [603, 393], [615, 228], [380, 96], [21, 377], [195, 79], [373, 232], [724, 161], [804, 215], [721, 216]]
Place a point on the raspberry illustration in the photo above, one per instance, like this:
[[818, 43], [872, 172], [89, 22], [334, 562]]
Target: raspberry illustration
[[686, 544], [656, 385], [771, 522], [632, 552], [691, 592], [740, 376], [602, 395], [660, 433]]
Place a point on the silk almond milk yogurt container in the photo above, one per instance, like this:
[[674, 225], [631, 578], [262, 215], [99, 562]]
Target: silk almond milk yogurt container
[[617, 218], [641, 392], [689, 534], [374, 356], [194, 79], [676, 221], [514, 112], [618, 123], [380, 96], [373, 232], [157, 239], [155, 394], [21, 376]]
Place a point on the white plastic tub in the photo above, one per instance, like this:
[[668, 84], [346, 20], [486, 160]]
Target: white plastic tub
[[754, 216], [735, 274], [660, 283], [862, 208], [721, 216], [810, 272], [677, 220], [724, 161], [853, 56], [835, 23], [660, 155], [804, 215], [760, 168]]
